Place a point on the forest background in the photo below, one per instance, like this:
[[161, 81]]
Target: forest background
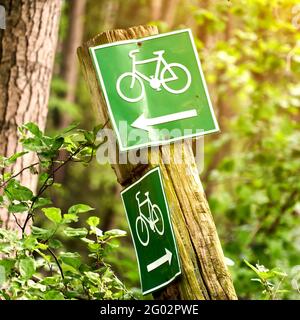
[[250, 54]]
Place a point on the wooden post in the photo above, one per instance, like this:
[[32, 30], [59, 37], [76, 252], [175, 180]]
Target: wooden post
[[204, 273]]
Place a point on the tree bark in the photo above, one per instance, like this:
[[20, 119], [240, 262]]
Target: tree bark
[[74, 38], [170, 12], [156, 9], [110, 13], [27, 49]]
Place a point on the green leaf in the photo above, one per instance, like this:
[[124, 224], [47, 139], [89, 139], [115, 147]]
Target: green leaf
[[8, 264], [54, 295], [115, 233], [34, 129], [42, 246], [33, 144], [6, 176], [27, 267], [36, 286], [43, 177], [55, 244], [40, 233], [14, 157], [15, 191], [282, 291], [97, 128], [6, 247], [89, 136], [41, 202], [51, 281], [88, 241], [80, 208], [93, 277], [279, 273], [262, 271], [71, 258], [75, 233], [94, 247], [93, 221], [58, 142], [69, 217], [5, 295], [53, 214], [29, 242], [14, 208], [251, 267]]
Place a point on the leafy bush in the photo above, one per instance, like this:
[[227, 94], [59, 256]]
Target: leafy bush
[[35, 264], [267, 279], [252, 176]]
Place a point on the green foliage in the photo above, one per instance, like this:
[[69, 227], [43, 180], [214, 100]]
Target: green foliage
[[254, 191], [265, 276], [58, 104], [36, 264]]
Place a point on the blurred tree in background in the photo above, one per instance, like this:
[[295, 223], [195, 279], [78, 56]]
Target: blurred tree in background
[[250, 53]]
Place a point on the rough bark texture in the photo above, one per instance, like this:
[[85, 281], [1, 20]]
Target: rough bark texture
[[204, 273], [27, 49]]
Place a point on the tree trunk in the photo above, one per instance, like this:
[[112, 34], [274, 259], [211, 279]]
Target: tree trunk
[[69, 69], [74, 38], [170, 12], [27, 49], [155, 9], [110, 14]]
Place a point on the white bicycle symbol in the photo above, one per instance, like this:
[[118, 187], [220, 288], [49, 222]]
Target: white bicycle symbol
[[154, 219], [159, 79]]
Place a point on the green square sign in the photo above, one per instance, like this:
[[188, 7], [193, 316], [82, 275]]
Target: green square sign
[[151, 229], [155, 89]]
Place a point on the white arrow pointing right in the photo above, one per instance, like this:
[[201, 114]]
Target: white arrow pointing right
[[167, 257]]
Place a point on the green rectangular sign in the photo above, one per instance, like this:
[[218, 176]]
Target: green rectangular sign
[[151, 229], [155, 89]]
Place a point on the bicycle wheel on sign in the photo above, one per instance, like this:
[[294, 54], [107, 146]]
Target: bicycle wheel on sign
[[158, 220], [182, 81], [130, 87], [142, 231]]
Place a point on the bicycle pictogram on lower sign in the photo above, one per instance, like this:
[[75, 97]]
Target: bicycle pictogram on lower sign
[[131, 88], [153, 219]]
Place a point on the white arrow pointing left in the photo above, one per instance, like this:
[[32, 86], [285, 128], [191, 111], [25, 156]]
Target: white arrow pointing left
[[145, 123], [167, 257]]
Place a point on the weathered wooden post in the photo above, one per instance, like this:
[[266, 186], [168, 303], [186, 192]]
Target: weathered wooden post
[[204, 273]]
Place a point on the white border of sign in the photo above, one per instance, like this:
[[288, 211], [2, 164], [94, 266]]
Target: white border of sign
[[168, 212], [159, 142]]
